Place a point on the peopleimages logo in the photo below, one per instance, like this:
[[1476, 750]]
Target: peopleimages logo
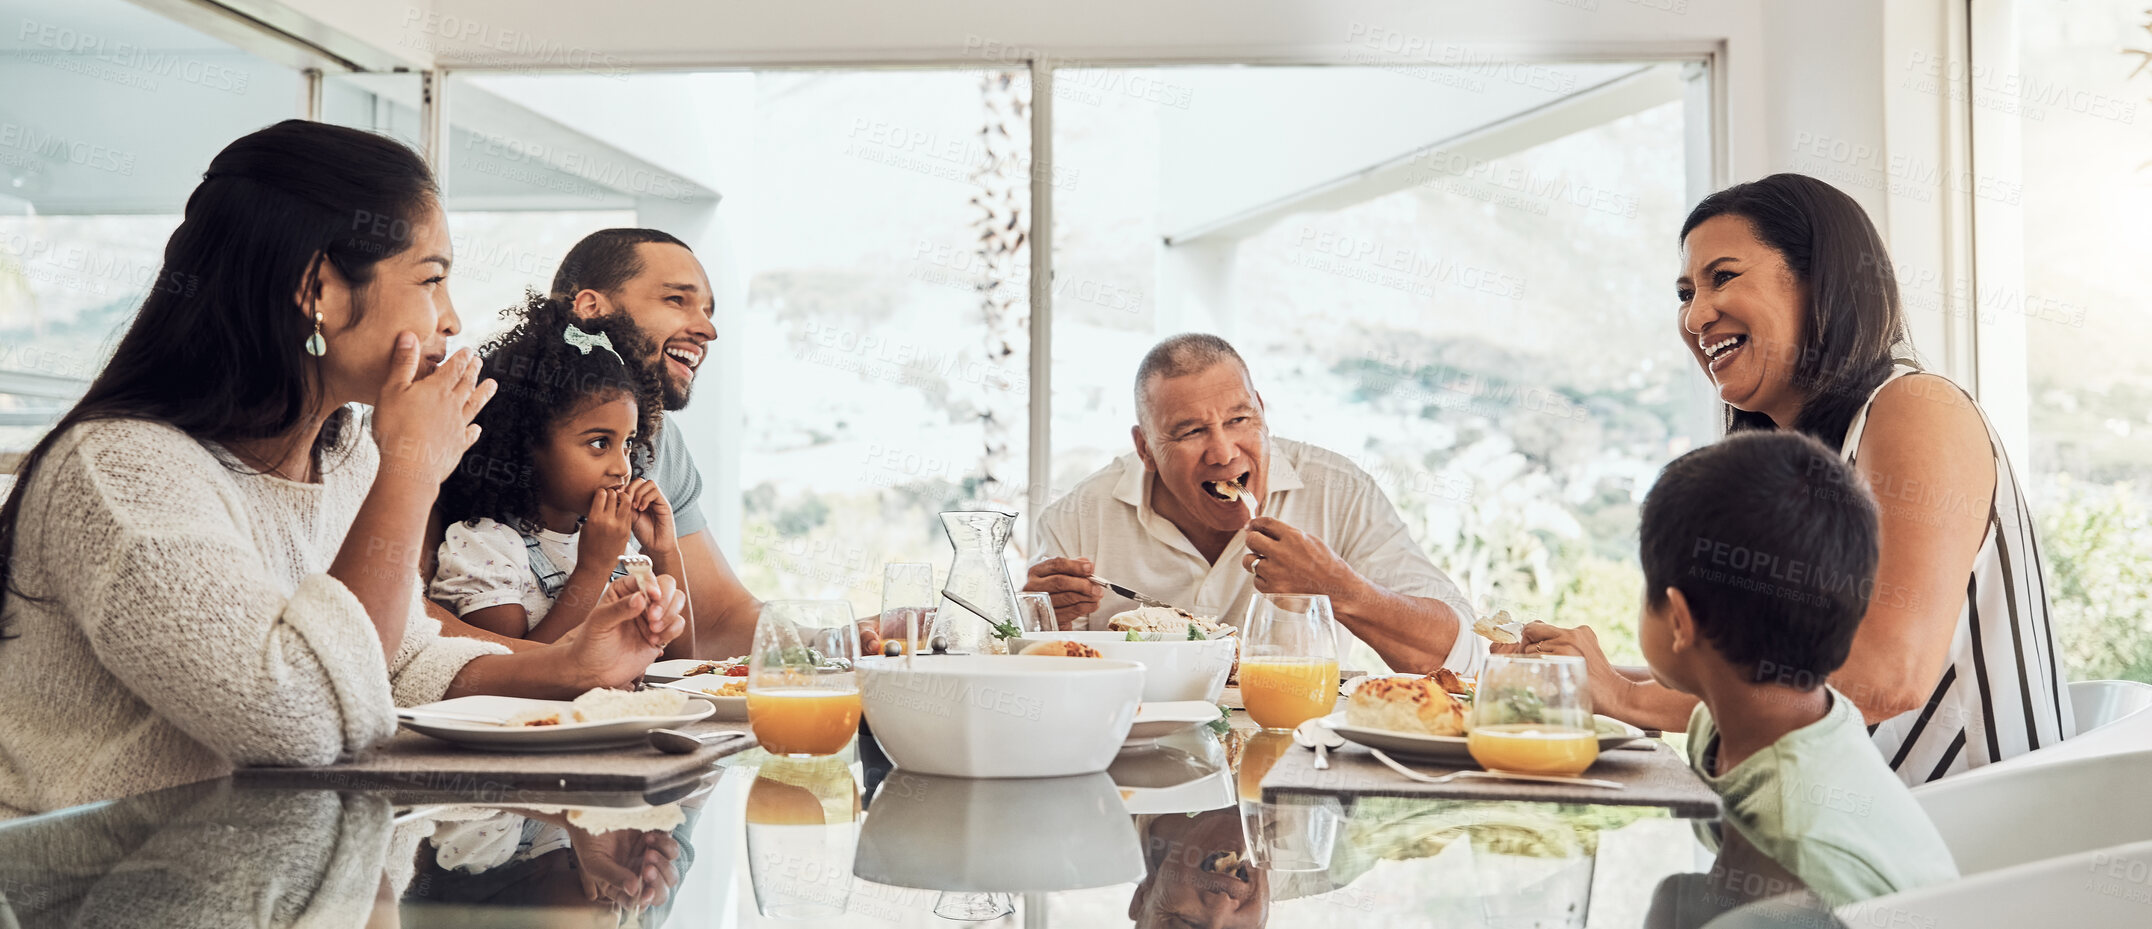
[[126, 62], [50, 146]]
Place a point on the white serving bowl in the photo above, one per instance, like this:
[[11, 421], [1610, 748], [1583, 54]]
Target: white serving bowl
[[1173, 669], [1032, 835], [1000, 715]]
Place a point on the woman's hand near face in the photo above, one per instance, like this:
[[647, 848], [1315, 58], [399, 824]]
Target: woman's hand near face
[[423, 425]]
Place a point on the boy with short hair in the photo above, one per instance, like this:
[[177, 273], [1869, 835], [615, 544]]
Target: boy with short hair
[[1759, 555]]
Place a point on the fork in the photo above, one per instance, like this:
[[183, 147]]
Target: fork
[[1491, 775], [1132, 595]]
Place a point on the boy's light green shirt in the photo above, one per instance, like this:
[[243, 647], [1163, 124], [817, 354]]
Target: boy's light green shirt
[[1821, 802]]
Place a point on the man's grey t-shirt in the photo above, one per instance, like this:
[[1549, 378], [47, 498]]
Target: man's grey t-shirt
[[674, 470]]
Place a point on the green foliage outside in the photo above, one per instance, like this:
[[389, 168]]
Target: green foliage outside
[[2097, 544]]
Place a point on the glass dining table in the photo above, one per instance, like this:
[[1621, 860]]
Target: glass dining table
[[1176, 834]]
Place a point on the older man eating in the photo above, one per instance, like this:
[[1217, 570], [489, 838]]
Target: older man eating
[[1169, 521]]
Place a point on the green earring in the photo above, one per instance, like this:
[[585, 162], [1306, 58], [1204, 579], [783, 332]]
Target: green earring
[[315, 344]]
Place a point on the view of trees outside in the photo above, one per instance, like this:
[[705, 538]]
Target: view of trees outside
[[2083, 102], [882, 221], [1495, 344]]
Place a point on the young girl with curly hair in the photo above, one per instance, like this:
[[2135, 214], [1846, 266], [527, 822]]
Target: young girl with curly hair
[[541, 508]]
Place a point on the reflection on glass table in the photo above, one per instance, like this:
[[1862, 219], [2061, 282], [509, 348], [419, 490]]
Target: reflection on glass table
[[1161, 839], [802, 830]]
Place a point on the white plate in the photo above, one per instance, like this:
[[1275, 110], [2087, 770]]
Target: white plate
[[729, 709], [1157, 720], [673, 669], [1447, 748], [1161, 778], [565, 737]]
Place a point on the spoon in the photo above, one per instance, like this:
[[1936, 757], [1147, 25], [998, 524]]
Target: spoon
[[675, 742], [1319, 737]]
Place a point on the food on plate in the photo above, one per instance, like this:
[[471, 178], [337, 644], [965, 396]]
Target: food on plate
[[1162, 620], [1451, 683], [727, 667], [600, 704], [1417, 705], [534, 718], [737, 687], [1061, 649], [663, 818], [1496, 628]]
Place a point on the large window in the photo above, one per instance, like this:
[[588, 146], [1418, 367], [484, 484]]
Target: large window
[[1459, 278], [2066, 225], [111, 114], [861, 228], [1455, 274]]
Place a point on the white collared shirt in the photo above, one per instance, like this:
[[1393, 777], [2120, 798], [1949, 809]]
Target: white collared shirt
[[1108, 518]]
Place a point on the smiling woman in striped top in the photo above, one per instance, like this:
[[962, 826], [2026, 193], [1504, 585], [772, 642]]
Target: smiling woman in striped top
[[1789, 304]]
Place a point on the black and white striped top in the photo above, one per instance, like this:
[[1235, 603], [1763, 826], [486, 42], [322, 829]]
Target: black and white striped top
[[2004, 692]]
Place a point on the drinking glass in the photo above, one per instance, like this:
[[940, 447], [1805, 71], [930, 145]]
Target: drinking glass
[[1533, 869], [1291, 833], [802, 833], [908, 598], [1532, 714], [1035, 612], [1289, 663], [802, 694]]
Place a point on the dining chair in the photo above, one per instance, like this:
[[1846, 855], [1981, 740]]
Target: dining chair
[[2098, 887], [2034, 813], [2098, 703]]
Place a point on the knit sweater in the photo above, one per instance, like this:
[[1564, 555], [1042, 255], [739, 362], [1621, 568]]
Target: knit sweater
[[202, 856], [188, 624]]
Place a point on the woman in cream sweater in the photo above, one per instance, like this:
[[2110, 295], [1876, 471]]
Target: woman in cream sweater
[[212, 559]]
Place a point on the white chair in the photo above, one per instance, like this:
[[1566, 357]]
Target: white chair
[[2012, 817], [2098, 703], [2105, 887]]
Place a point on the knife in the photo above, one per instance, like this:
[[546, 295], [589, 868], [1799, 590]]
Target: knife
[[1132, 595]]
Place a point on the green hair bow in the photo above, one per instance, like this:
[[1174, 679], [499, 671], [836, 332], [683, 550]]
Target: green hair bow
[[585, 341]]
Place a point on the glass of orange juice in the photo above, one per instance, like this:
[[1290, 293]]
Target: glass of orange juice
[[1289, 660], [1532, 714], [802, 694]]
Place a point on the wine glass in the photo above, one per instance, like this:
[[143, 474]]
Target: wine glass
[[802, 694], [1035, 612], [1532, 714], [908, 598], [1289, 661]]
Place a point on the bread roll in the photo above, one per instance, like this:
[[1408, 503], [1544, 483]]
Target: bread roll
[[1416, 705], [1063, 649]]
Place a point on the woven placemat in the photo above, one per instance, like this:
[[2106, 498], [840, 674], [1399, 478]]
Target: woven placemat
[[1655, 778], [412, 762]]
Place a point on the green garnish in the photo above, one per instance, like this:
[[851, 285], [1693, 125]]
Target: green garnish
[[1195, 634], [1006, 631], [1134, 636], [1224, 723]]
